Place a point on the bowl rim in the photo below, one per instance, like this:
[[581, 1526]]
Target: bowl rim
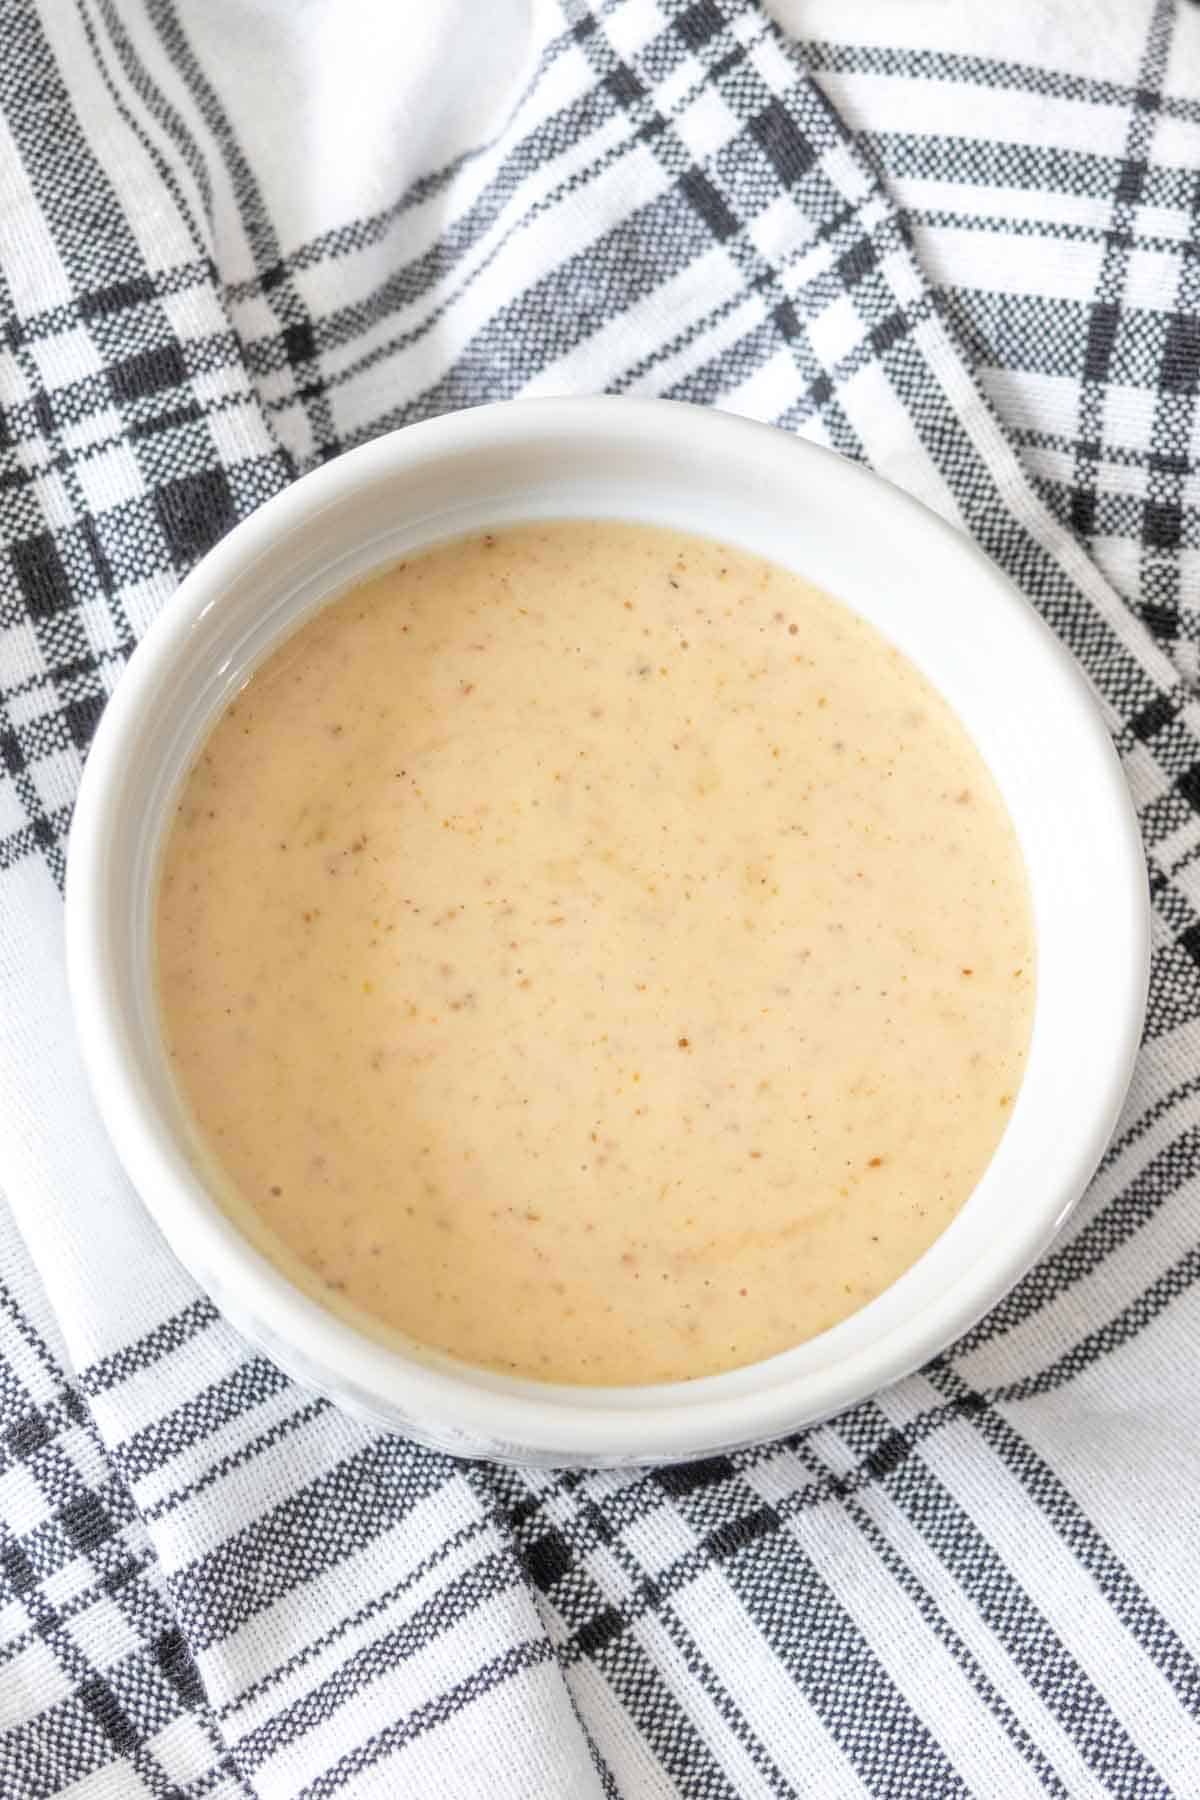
[[529, 1420]]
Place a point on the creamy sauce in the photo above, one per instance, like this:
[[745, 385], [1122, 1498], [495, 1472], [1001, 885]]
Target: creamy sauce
[[596, 953]]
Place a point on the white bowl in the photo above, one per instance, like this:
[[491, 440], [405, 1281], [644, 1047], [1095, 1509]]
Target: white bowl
[[923, 585]]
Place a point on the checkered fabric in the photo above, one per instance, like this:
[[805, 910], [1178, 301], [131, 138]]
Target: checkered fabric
[[956, 242]]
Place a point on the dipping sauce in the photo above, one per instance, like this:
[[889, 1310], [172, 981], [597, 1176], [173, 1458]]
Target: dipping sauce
[[594, 952]]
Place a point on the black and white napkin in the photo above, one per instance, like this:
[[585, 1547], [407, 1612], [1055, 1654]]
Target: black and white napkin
[[956, 242]]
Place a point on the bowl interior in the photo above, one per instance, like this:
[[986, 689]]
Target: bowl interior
[[924, 587]]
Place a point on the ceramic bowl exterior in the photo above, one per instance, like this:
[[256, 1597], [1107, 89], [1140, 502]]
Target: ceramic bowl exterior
[[928, 589]]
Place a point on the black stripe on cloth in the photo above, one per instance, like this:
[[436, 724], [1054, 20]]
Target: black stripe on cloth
[[1006, 537], [604, 1773], [631, 1501], [1165, 525], [1043, 334], [213, 1473], [698, 1665], [163, 1340], [933, 1616], [50, 577], [438, 1710], [419, 276], [115, 1714], [1145, 1120], [540, 305], [282, 292], [42, 578], [114, 1708], [1065, 1264], [960, 1543], [1105, 313], [17, 1570], [545, 139], [242, 1391], [989, 516], [147, 94], [736, 1520], [1113, 1335], [545, 320], [82, 402], [998, 74], [1137, 330], [1057, 231], [43, 832], [91, 232], [31, 1429], [655, 1708], [374, 1608], [1174, 998], [782, 141], [706, 382], [1117, 456], [493, 1573], [981, 164], [585, 1625], [818, 1643], [1154, 1635], [50, 1546], [123, 296], [786, 321], [1131, 516], [315, 1528]]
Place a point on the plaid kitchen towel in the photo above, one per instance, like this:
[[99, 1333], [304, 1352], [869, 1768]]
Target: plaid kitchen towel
[[957, 242]]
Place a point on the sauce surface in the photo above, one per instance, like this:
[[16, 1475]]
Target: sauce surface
[[595, 953]]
